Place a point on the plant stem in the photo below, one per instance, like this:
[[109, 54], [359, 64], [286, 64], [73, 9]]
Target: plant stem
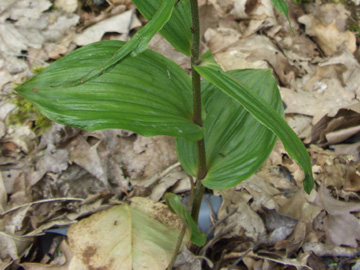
[[197, 117]]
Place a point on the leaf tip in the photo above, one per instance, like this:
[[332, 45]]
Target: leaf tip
[[308, 183]]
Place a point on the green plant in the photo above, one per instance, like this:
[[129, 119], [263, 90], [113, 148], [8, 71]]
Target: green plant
[[225, 126]]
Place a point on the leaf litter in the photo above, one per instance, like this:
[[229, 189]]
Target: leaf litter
[[267, 221]]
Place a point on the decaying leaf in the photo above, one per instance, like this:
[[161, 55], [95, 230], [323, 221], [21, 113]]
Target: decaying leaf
[[244, 220], [323, 99], [145, 157], [342, 227], [332, 129], [328, 37], [67, 5], [136, 235], [121, 23], [87, 156]]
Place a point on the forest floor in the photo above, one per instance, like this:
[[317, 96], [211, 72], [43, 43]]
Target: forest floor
[[53, 175]]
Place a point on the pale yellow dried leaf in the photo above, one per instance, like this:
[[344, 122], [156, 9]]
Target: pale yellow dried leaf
[[67, 5], [139, 235]]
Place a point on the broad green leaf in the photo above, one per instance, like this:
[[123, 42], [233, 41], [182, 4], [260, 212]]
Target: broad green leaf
[[283, 8], [141, 234], [261, 110], [178, 29], [236, 143], [174, 203], [148, 94], [134, 47]]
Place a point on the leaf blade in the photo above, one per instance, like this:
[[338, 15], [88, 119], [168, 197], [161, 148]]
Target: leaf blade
[[178, 29], [283, 8], [174, 203], [148, 94], [135, 46], [228, 126], [264, 113]]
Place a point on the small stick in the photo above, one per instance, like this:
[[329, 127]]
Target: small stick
[[221, 220], [240, 259]]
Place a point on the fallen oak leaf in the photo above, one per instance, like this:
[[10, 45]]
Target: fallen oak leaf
[[342, 227]]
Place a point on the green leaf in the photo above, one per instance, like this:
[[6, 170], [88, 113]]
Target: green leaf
[[175, 205], [283, 8], [148, 94], [261, 110], [178, 29], [134, 47], [236, 143]]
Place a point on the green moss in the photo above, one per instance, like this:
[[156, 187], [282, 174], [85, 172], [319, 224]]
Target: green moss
[[38, 69], [27, 111]]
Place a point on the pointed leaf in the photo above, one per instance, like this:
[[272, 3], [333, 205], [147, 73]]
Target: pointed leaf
[[178, 29], [261, 110], [174, 203], [283, 8], [236, 143], [135, 46], [148, 94]]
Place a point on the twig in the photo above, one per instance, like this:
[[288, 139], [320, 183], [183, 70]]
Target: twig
[[221, 220], [39, 202], [240, 258]]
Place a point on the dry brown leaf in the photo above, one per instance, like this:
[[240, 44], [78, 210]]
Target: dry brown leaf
[[328, 249], [342, 227], [120, 23], [328, 37], [299, 206], [5, 77], [351, 76], [147, 156], [166, 182], [327, 98], [54, 161], [87, 156], [279, 227], [243, 9], [348, 149], [159, 44], [22, 136], [335, 128], [300, 124], [252, 52], [295, 241], [262, 192], [220, 38], [244, 219], [13, 246], [209, 17], [67, 5], [338, 171], [186, 260]]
